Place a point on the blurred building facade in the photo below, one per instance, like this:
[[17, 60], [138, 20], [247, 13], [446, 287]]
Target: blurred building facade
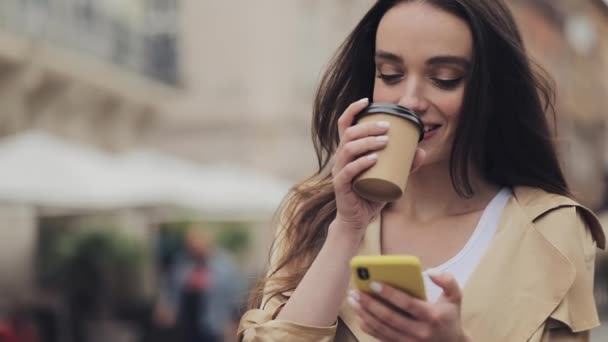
[[208, 80], [91, 71], [568, 39], [250, 71], [94, 72]]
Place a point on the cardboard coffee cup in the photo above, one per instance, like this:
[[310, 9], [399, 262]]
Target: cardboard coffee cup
[[386, 180]]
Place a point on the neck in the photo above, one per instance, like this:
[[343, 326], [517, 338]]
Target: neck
[[430, 195]]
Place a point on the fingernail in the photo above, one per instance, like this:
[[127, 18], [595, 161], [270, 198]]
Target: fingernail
[[434, 273], [383, 138], [373, 156], [354, 295], [376, 287], [383, 124], [353, 302], [364, 100]]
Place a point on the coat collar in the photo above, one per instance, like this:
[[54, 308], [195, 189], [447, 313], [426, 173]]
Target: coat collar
[[535, 203], [509, 267]]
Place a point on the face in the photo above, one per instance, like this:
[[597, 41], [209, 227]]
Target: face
[[198, 243], [423, 56]]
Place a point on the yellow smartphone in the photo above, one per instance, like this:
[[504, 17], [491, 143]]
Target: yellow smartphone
[[400, 271]]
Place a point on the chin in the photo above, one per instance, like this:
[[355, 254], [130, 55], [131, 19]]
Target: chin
[[432, 159]]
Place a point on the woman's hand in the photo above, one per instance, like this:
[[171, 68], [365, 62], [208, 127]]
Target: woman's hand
[[355, 154], [408, 318]]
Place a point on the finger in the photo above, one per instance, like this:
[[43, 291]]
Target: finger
[[374, 326], [343, 178], [450, 287], [346, 119], [354, 149], [418, 159], [417, 308], [364, 129], [398, 321]]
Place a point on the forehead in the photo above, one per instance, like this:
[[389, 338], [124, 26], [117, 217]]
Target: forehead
[[196, 236], [418, 29]]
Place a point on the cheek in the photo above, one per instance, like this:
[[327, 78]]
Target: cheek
[[451, 105], [379, 94], [383, 93]]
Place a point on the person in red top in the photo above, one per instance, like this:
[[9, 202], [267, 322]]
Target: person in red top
[[17, 328], [201, 290]]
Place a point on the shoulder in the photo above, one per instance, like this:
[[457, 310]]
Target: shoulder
[[570, 234], [555, 215]]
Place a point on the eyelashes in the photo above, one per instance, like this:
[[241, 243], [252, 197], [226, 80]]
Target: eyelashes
[[392, 79], [448, 84], [389, 79]]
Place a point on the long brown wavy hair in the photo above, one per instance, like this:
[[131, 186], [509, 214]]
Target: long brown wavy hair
[[503, 131]]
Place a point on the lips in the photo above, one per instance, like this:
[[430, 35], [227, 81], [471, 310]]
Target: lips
[[430, 130]]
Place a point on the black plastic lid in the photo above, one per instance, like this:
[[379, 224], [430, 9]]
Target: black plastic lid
[[393, 109]]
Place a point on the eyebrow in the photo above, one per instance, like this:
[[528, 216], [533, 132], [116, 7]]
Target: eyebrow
[[391, 57], [463, 62], [388, 56]]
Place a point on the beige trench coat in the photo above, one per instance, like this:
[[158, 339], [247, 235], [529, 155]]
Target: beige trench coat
[[534, 284]]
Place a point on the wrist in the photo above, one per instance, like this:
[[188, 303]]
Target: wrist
[[347, 224], [340, 234]]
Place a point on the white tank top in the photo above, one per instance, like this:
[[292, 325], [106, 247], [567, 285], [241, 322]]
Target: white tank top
[[464, 263]]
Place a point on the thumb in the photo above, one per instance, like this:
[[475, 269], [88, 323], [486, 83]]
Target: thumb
[[450, 287]]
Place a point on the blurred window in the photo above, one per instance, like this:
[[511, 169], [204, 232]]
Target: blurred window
[[140, 35], [160, 41]]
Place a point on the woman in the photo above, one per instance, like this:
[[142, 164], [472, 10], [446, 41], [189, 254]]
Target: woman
[[508, 255]]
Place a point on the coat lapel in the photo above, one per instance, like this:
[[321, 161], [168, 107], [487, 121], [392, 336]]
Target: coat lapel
[[518, 283]]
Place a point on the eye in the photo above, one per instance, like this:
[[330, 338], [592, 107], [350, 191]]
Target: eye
[[389, 79], [448, 84]]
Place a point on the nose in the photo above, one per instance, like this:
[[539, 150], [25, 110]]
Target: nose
[[413, 97]]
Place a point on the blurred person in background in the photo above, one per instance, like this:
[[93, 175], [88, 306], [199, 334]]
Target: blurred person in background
[[508, 255], [201, 292]]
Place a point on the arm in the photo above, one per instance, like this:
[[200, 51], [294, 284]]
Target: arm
[[293, 316], [165, 312], [262, 324], [170, 287], [310, 313], [318, 297]]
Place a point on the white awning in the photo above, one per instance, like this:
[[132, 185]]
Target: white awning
[[39, 169]]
